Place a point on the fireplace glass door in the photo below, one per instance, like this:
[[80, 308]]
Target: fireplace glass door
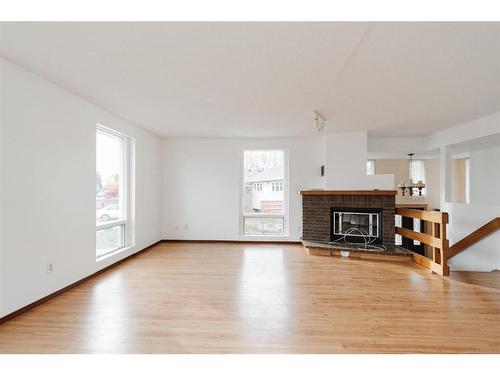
[[357, 224]]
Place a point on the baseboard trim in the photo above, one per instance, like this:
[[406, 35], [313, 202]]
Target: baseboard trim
[[26, 308], [291, 242]]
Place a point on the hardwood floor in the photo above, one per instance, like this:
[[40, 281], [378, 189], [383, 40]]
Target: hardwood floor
[[486, 279], [256, 298]]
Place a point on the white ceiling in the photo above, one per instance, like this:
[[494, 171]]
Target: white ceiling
[[265, 79]]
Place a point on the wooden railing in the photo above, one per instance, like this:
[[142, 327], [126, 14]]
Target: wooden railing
[[437, 240], [474, 237]]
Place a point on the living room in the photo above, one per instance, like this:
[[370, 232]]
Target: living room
[[260, 187]]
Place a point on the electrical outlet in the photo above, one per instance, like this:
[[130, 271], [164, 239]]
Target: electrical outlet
[[176, 227], [50, 267], [186, 227]]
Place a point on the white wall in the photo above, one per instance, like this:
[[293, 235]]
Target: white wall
[[47, 170], [432, 176], [345, 168], [485, 176], [464, 219], [203, 180]]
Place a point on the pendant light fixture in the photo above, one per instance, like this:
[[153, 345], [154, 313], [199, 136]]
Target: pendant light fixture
[[411, 186]]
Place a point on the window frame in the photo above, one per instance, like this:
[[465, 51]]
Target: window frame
[[125, 200], [284, 216]]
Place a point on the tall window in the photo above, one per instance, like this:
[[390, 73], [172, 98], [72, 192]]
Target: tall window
[[264, 188], [112, 188], [370, 167], [417, 172]]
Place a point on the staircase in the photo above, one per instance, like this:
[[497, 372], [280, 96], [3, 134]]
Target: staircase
[[441, 251], [474, 237]]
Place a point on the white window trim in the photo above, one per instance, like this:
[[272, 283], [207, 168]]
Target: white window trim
[[126, 201], [285, 216], [467, 180]]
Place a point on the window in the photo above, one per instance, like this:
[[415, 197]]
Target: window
[[263, 200], [417, 172], [277, 186], [112, 187], [257, 187], [370, 167]]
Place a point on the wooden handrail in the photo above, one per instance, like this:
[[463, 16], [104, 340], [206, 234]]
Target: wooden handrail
[[474, 237], [432, 216], [437, 240]]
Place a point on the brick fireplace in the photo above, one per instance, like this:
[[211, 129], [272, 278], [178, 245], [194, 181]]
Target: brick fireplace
[[326, 213]]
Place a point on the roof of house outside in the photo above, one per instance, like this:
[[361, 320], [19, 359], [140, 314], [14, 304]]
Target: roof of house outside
[[271, 174]]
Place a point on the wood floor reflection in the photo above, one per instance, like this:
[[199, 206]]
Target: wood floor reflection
[[254, 298]]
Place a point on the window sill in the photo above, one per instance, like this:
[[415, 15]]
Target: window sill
[[113, 253]]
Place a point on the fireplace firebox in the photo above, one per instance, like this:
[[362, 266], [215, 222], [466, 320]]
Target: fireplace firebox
[[356, 225]]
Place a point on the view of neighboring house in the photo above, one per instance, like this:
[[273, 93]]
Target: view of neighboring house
[[266, 188]]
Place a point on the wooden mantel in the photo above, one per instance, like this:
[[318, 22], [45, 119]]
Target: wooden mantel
[[348, 192]]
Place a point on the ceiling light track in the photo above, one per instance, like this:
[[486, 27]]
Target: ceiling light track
[[319, 121]]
